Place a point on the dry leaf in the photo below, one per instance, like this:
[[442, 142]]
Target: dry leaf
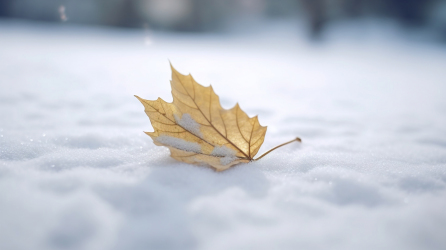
[[198, 130]]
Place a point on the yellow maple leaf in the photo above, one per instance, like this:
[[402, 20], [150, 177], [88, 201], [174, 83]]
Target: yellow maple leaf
[[198, 130]]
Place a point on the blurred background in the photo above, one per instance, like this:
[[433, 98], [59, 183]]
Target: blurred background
[[216, 15]]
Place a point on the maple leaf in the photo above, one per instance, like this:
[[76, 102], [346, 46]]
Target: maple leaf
[[198, 130]]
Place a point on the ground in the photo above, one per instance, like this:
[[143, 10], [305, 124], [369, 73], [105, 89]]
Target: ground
[[77, 171]]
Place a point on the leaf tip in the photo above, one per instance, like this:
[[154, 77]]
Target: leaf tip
[[172, 68], [254, 119]]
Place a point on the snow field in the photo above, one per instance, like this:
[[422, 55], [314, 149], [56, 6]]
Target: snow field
[[77, 172]]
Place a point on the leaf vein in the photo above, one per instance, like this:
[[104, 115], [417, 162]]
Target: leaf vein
[[213, 125], [257, 140], [179, 99], [236, 119], [182, 127], [250, 137]]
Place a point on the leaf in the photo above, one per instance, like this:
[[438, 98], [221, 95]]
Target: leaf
[[198, 130]]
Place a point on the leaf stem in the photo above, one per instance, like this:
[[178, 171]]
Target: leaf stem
[[276, 147]]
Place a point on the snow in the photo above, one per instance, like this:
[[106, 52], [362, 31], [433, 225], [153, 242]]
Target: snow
[[227, 154], [189, 124], [77, 171], [179, 143]]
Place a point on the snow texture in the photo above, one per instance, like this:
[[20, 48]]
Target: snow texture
[[189, 124], [179, 143], [227, 154], [77, 171]]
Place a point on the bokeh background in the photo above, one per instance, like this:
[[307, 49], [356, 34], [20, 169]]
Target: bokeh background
[[214, 15], [362, 82]]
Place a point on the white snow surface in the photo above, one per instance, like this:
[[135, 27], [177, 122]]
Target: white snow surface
[[77, 171]]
